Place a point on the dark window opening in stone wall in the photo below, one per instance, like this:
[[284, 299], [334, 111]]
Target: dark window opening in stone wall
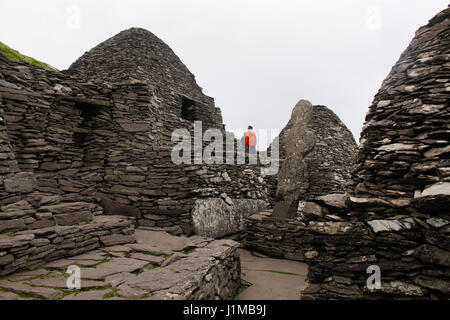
[[188, 110], [88, 114]]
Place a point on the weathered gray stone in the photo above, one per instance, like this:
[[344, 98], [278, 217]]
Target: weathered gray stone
[[310, 146], [214, 218], [67, 208], [438, 284], [116, 265], [402, 289], [18, 287], [125, 290], [88, 295], [22, 182], [433, 255], [21, 205], [392, 225], [154, 260], [442, 188], [115, 208], [117, 239], [336, 200], [437, 223], [6, 259], [12, 225], [312, 210], [73, 218], [9, 296], [60, 282]]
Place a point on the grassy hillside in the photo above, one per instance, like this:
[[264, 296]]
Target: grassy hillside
[[14, 55]]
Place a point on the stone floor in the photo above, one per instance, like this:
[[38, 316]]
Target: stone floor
[[271, 279], [157, 266]]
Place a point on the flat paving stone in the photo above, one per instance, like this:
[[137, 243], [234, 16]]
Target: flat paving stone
[[63, 264], [119, 278], [150, 248], [271, 279], [154, 260], [116, 265], [163, 240], [88, 295], [117, 249], [29, 275], [125, 290], [9, 296], [177, 256], [89, 256], [46, 293], [61, 282]]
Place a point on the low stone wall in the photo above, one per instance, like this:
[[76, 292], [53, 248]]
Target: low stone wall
[[275, 237], [414, 261], [33, 247], [212, 273], [412, 254]]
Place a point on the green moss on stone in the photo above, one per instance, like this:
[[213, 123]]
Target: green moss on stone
[[16, 56]]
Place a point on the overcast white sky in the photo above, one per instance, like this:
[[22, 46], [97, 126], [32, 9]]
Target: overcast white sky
[[257, 58]]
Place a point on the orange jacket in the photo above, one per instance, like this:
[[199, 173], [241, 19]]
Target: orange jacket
[[250, 138]]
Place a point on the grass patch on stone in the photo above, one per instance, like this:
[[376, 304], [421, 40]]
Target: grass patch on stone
[[146, 253], [16, 56], [24, 295], [169, 255], [68, 292], [7, 232], [112, 294], [189, 251], [282, 272], [242, 288], [100, 263]]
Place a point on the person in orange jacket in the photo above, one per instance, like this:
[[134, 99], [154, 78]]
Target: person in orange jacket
[[250, 140]]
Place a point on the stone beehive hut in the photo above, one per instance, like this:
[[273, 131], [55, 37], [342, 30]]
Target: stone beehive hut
[[317, 153], [137, 55], [402, 190], [85, 147], [405, 152]]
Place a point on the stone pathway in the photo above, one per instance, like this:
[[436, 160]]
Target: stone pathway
[[271, 279], [157, 266]]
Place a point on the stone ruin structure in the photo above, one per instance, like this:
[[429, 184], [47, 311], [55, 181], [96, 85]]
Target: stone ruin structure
[[86, 166], [86, 156], [317, 156], [396, 216], [317, 153]]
